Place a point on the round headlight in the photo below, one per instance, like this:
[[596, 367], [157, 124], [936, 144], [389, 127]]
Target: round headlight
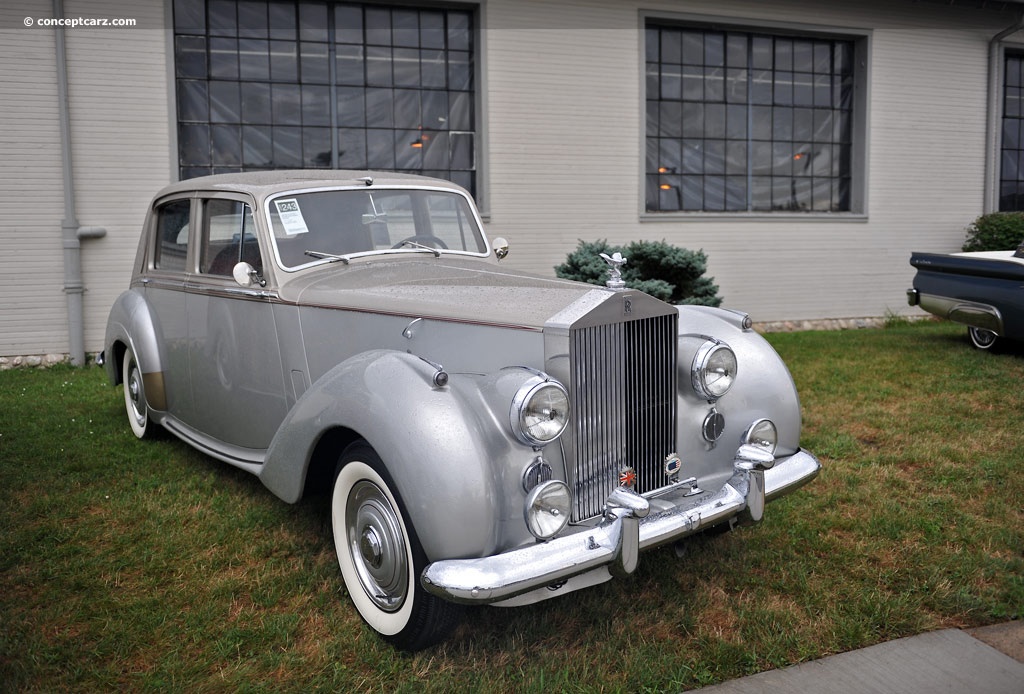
[[540, 411], [763, 434], [547, 509], [714, 370]]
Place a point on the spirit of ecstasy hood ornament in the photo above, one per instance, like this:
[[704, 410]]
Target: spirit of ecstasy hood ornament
[[615, 261]]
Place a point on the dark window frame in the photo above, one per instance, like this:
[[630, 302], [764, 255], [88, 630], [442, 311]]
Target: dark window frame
[[753, 120], [1011, 147], [327, 84]]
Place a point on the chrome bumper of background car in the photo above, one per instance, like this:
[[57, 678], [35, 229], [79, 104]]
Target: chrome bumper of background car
[[614, 543], [970, 313]]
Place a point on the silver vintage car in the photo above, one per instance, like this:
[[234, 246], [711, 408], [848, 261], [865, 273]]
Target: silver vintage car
[[487, 436]]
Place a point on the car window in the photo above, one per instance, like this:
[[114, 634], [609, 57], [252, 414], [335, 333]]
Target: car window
[[172, 229], [344, 222], [229, 237]]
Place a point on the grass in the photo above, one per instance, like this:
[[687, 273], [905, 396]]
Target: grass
[[147, 566]]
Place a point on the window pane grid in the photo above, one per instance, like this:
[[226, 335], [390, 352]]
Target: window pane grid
[[265, 85], [747, 122], [1011, 177]]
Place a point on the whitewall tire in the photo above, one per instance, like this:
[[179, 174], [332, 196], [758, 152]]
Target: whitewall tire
[[380, 557], [135, 404]]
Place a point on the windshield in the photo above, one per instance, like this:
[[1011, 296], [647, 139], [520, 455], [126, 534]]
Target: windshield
[[307, 227]]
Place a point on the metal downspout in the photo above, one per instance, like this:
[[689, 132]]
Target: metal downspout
[[995, 112], [71, 232]]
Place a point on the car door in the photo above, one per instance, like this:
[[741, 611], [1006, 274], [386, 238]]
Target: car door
[[163, 284], [234, 355]]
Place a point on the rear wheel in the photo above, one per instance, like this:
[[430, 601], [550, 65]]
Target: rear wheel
[[380, 556], [981, 338], [135, 398]]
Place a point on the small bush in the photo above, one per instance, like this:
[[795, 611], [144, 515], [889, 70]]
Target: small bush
[[997, 231], [666, 272]]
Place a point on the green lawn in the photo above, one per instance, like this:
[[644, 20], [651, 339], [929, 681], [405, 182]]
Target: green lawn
[[145, 566]]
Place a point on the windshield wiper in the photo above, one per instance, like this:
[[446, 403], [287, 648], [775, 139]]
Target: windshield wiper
[[420, 246], [328, 256]]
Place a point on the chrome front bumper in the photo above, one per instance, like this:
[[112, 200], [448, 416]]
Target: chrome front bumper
[[612, 547]]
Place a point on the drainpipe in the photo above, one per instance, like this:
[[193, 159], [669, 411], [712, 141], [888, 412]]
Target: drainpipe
[[995, 113], [71, 232]]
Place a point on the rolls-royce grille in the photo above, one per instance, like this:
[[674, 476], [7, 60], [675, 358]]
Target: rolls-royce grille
[[624, 407]]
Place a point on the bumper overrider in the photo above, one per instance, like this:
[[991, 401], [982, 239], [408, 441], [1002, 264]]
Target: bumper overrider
[[613, 546]]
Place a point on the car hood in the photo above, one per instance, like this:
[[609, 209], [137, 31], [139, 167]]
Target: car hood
[[453, 289]]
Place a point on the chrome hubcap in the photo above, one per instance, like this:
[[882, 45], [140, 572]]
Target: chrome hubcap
[[133, 389], [370, 548], [377, 546]]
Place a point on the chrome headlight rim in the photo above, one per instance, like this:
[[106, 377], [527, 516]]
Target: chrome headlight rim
[[699, 371], [762, 433], [522, 404], [547, 509]]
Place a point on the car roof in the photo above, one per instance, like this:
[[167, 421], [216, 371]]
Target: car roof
[[262, 183]]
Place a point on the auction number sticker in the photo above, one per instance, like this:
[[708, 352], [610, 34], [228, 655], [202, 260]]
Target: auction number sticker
[[291, 217]]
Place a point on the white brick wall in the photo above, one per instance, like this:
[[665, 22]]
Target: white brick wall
[[564, 142], [32, 314], [565, 138], [118, 100]]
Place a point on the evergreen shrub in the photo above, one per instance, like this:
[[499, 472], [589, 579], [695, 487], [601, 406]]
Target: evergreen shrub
[[996, 231], [666, 272]]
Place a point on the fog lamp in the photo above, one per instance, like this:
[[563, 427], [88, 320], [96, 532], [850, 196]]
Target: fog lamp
[[547, 509], [763, 434]]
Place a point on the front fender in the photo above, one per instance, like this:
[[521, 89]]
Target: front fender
[[430, 438], [131, 323], [764, 387]]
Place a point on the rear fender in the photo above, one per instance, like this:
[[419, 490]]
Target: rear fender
[[431, 438], [132, 325]]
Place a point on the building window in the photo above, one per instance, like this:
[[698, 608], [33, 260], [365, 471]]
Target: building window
[[742, 121], [1011, 176], [267, 84]]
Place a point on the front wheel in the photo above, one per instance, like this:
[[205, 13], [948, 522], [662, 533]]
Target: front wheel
[[981, 338], [380, 557]]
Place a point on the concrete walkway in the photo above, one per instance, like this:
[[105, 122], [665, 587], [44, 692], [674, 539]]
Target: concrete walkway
[[989, 660]]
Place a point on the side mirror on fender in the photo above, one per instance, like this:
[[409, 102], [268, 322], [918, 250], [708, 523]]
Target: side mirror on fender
[[500, 246]]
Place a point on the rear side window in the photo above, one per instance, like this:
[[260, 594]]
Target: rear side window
[[172, 227]]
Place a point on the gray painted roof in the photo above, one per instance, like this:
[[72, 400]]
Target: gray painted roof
[[261, 183]]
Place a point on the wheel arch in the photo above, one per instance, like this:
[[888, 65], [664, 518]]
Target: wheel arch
[[428, 437], [324, 459], [132, 325]]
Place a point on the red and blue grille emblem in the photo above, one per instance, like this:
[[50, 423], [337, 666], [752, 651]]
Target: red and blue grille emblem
[[627, 478], [673, 464]]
